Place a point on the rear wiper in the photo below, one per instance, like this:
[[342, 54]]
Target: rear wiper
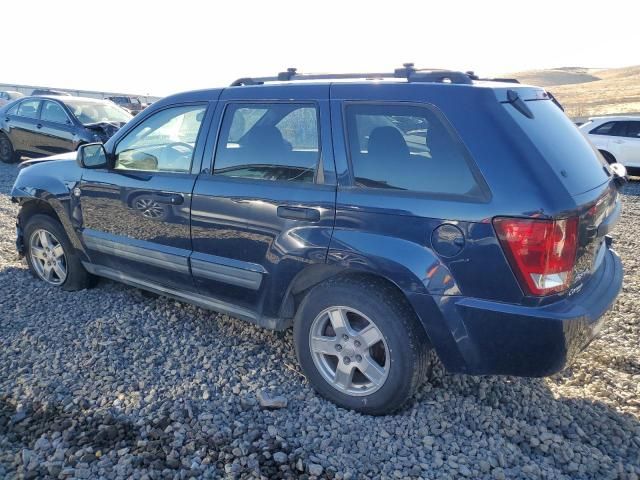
[[555, 100], [514, 99]]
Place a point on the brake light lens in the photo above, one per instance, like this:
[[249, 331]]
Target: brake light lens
[[542, 253]]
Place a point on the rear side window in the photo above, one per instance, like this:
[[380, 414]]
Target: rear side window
[[277, 142], [408, 147], [633, 129], [560, 143], [29, 109]]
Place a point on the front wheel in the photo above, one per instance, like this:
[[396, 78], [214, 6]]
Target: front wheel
[[51, 257], [360, 345]]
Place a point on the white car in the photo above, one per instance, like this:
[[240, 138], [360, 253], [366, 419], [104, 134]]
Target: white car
[[617, 138], [8, 96]]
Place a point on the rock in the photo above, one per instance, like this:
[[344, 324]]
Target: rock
[[464, 470], [315, 469], [280, 457], [26, 456], [42, 444], [19, 416], [266, 400], [498, 474]]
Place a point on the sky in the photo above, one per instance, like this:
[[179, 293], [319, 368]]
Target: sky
[[167, 46]]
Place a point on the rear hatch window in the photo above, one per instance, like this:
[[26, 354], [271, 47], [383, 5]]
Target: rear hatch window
[[568, 152]]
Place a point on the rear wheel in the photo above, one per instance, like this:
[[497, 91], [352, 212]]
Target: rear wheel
[[51, 257], [7, 153], [360, 345]]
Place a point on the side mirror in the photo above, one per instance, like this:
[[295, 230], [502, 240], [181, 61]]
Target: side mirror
[[92, 155], [619, 173]]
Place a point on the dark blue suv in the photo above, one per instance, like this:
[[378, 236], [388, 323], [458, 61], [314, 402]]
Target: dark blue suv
[[379, 215]]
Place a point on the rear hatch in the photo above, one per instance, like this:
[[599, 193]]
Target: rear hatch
[[580, 169]]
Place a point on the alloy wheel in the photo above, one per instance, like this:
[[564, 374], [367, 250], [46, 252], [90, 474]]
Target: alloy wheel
[[47, 257], [349, 351]]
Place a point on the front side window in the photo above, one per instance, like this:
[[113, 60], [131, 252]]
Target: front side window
[[277, 141], [164, 142], [14, 109], [29, 109], [406, 147], [53, 112], [615, 129]]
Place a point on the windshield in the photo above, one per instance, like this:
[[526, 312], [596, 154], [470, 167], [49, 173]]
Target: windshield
[[96, 112]]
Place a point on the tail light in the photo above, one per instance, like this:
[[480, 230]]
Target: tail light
[[542, 253]]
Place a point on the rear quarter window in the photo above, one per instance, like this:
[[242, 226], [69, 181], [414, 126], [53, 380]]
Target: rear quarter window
[[408, 147], [567, 151]]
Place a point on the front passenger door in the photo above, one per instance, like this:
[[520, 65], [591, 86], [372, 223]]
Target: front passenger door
[[136, 214], [56, 129]]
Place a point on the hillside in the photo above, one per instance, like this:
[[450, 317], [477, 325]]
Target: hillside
[[586, 92]]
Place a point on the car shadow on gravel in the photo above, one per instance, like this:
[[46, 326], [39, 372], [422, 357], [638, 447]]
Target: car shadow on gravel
[[93, 435]]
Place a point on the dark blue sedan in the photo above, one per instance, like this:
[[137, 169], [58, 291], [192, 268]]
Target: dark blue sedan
[[48, 125]]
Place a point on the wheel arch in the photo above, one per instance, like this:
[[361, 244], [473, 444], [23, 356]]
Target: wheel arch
[[32, 205], [314, 275], [608, 156]]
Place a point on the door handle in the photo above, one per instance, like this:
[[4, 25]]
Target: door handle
[[7, 119], [39, 126], [299, 213], [169, 198]]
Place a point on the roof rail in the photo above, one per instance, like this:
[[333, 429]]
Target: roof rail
[[407, 72], [473, 76]]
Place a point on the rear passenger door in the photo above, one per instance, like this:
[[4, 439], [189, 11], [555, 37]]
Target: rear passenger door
[[22, 124], [265, 210]]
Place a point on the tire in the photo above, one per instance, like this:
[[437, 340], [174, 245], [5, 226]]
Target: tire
[[59, 266], [608, 157], [396, 365], [7, 153]]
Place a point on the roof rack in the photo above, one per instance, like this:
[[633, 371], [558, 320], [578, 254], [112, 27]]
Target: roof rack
[[407, 72]]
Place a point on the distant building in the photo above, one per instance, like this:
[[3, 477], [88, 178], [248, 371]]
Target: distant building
[[27, 89]]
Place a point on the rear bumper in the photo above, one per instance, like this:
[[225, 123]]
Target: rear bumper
[[492, 338]]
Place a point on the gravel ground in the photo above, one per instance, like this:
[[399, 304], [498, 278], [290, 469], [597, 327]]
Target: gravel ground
[[111, 383]]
